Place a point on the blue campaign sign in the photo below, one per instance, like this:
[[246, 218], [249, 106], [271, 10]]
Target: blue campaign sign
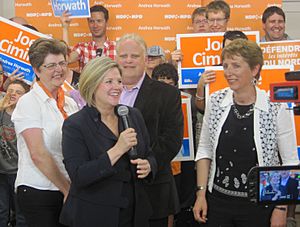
[[10, 64], [77, 8], [191, 76]]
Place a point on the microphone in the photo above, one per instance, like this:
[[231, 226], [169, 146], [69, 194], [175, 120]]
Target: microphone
[[122, 112], [99, 52]]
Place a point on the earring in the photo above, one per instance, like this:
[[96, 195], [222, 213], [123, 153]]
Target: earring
[[254, 81]]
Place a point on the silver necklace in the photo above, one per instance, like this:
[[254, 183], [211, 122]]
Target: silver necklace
[[245, 115]]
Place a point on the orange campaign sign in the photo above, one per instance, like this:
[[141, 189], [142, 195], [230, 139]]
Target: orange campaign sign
[[15, 41], [269, 74], [157, 21], [199, 51], [282, 53], [186, 152]]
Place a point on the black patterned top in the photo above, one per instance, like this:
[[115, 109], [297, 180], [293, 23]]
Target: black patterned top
[[235, 154]]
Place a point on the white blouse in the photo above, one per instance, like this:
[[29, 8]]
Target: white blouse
[[36, 110]]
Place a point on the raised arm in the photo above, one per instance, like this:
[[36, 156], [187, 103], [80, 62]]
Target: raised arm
[[65, 23], [206, 78]]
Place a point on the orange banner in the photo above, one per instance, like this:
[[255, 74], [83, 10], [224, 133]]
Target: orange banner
[[246, 15], [157, 21]]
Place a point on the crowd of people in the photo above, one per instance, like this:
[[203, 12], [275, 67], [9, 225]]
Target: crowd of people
[[101, 154]]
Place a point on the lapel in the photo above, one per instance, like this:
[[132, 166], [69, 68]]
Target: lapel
[[99, 126], [144, 92]]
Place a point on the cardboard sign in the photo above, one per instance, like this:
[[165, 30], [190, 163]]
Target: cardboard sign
[[77, 8], [186, 152], [282, 53], [268, 74], [199, 51], [15, 41]]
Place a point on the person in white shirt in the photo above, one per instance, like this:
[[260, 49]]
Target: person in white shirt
[[42, 182]]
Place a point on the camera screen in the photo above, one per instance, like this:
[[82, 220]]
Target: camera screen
[[279, 185], [286, 93]]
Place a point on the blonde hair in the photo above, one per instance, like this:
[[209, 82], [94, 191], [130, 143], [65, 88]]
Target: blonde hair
[[92, 75]]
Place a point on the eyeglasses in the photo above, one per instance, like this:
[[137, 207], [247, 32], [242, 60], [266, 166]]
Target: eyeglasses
[[52, 66], [217, 21], [204, 21]]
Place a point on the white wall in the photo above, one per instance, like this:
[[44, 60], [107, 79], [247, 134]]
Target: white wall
[[290, 7], [7, 8], [292, 12]]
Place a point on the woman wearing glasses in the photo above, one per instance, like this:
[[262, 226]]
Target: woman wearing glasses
[[42, 182]]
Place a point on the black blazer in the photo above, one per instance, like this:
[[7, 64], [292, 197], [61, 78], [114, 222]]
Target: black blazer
[[160, 105], [95, 195], [292, 188]]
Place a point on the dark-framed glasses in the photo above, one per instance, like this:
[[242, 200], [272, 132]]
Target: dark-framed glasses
[[52, 66]]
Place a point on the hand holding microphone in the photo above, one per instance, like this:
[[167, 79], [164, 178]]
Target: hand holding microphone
[[127, 139], [128, 136], [123, 113]]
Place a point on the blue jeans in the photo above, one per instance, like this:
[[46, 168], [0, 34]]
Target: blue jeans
[[8, 201]]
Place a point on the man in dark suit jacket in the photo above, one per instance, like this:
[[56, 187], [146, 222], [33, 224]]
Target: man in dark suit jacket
[[290, 184], [160, 105], [292, 191]]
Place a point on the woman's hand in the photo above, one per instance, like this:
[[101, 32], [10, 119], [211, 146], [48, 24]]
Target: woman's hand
[[278, 218], [127, 140], [143, 167], [207, 77], [200, 209]]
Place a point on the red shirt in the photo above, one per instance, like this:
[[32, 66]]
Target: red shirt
[[87, 51]]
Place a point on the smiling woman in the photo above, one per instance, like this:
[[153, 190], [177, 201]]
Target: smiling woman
[[237, 125], [38, 119], [107, 184]]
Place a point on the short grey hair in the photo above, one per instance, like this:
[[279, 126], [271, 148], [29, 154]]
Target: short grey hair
[[135, 37]]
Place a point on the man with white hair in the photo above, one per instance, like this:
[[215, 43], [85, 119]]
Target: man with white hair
[[160, 105]]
